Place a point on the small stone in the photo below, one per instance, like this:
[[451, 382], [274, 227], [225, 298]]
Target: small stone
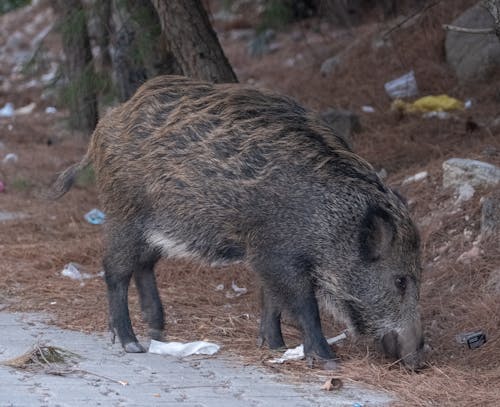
[[328, 66]]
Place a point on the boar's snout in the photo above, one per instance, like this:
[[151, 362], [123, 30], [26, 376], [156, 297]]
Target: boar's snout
[[405, 344]]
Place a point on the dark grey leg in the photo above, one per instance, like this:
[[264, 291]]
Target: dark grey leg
[[145, 281], [270, 321], [120, 260], [291, 285]]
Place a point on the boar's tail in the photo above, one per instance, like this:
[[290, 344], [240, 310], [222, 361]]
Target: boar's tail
[[66, 179]]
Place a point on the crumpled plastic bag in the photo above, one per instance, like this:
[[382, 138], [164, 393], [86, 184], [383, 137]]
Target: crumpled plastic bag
[[181, 350], [439, 103]]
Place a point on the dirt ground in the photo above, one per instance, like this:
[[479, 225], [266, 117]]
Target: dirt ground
[[456, 296]]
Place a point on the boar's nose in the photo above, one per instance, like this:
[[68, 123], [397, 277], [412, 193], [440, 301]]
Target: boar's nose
[[406, 345]]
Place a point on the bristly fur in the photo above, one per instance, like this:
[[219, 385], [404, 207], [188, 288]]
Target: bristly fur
[[228, 173]]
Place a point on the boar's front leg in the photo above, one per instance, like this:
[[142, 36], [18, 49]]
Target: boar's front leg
[[289, 284], [270, 321], [121, 258]]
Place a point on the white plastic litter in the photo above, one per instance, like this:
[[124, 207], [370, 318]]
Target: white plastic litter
[[50, 110], [11, 157], [237, 291], [419, 176], [297, 353], [72, 271], [181, 350], [220, 287], [439, 115], [368, 109], [403, 87], [28, 109], [7, 110]]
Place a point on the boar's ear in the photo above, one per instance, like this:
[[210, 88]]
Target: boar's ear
[[377, 233]]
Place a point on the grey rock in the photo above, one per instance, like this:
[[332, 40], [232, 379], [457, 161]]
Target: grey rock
[[473, 56], [490, 217], [460, 171], [328, 66], [343, 123]]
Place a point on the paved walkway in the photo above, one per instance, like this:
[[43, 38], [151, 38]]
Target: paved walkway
[[153, 380]]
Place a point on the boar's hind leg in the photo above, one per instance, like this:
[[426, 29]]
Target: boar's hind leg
[[270, 321], [152, 309], [121, 258]]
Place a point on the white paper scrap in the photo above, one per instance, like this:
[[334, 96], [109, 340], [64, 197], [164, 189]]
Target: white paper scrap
[[181, 350], [297, 353]]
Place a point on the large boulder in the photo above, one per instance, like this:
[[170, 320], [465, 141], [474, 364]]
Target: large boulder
[[473, 56], [460, 171]]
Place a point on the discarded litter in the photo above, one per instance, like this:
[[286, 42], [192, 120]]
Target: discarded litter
[[220, 287], [415, 178], [50, 110], [431, 106], [472, 339], [439, 103], [333, 383], [468, 104], [74, 271], [437, 115], [297, 353], [28, 109], [357, 405], [368, 109], [181, 350], [11, 157], [7, 110], [237, 291], [95, 217], [403, 87]]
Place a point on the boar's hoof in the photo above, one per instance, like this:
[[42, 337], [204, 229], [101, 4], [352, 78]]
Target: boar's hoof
[[156, 334], [273, 343], [133, 347], [323, 364]]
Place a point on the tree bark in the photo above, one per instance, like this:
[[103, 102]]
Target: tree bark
[[139, 50], [79, 70], [193, 41]]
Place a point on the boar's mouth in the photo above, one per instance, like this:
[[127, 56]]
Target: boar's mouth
[[394, 347]]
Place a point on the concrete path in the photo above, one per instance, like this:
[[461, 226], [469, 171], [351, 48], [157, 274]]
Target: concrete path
[[153, 380]]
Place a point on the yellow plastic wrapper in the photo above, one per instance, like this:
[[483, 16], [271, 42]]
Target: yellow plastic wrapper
[[439, 103]]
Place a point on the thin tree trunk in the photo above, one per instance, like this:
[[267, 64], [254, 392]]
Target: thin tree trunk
[[193, 41], [79, 69]]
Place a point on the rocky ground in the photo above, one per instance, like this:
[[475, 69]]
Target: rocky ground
[[455, 203]]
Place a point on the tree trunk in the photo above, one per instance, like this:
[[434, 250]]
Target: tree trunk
[[139, 51], [80, 93], [193, 41]]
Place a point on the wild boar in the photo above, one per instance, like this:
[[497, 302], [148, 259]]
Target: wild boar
[[226, 173]]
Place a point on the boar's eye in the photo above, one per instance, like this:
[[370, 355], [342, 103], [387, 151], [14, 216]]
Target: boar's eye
[[401, 284]]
